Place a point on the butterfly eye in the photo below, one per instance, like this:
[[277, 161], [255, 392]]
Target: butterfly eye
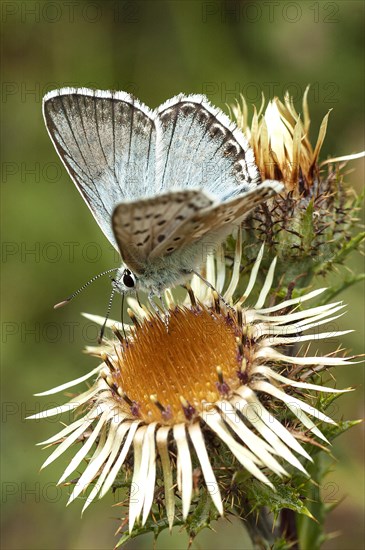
[[128, 279]]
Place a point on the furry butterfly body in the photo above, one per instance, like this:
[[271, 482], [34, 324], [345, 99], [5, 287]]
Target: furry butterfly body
[[165, 186]]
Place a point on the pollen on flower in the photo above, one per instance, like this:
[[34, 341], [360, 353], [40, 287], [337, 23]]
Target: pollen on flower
[[170, 372]]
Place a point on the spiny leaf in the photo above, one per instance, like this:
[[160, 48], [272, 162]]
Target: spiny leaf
[[286, 496], [282, 544], [202, 515], [151, 526], [342, 254], [333, 431]]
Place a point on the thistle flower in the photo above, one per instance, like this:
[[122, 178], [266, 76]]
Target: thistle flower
[[280, 140], [204, 390], [312, 222]]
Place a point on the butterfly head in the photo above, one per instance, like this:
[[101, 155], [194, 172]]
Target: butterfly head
[[125, 280]]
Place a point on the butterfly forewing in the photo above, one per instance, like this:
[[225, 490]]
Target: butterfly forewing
[[141, 226], [201, 147], [107, 142]]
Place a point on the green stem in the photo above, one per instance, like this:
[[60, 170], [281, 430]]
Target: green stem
[[259, 527], [311, 533], [265, 537], [334, 291], [342, 254]]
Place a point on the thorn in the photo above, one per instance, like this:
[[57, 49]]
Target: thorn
[[239, 316], [188, 409], [124, 396], [184, 402], [166, 412], [156, 402], [133, 317], [216, 301], [221, 385], [242, 373], [118, 334], [135, 408], [106, 360], [191, 294], [220, 375], [109, 380], [134, 405]]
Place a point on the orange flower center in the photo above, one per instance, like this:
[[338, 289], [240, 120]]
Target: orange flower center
[[165, 369]]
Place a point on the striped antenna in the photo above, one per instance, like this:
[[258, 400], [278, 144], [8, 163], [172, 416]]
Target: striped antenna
[[64, 302], [100, 339]]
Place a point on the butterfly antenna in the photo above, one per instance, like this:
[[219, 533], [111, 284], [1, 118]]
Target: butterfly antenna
[[64, 302], [100, 339], [138, 300]]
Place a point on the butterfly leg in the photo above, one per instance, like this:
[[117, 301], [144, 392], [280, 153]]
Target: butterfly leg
[[157, 309], [166, 317], [209, 285]]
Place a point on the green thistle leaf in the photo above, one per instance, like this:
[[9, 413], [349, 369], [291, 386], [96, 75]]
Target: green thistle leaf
[[286, 496]]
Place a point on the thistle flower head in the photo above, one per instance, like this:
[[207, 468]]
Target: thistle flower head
[[199, 390], [311, 220], [280, 140]]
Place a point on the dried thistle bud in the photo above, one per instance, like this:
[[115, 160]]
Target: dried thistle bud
[[310, 226]]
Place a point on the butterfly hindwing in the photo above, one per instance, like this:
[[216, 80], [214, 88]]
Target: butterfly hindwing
[[142, 226], [217, 219], [107, 141]]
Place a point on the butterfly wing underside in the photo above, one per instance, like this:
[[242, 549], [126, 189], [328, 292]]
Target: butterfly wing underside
[[202, 148], [216, 220], [157, 227], [128, 161], [118, 150], [140, 227], [107, 142]]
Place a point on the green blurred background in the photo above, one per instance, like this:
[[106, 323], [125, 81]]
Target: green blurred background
[[51, 244]]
